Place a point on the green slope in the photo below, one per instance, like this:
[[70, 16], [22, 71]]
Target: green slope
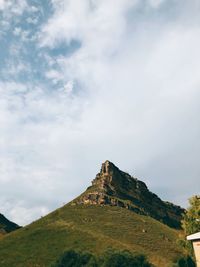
[[91, 228]]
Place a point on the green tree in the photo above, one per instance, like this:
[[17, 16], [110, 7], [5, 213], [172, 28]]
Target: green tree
[[73, 258], [184, 261], [114, 258], [110, 258], [191, 221]]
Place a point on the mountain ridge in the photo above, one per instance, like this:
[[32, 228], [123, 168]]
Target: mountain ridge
[[7, 226], [114, 187]]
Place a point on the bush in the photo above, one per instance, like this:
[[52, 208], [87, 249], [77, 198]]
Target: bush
[[186, 261], [73, 258], [123, 259], [111, 258]]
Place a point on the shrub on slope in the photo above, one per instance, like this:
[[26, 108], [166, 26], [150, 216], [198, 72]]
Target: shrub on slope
[[111, 258]]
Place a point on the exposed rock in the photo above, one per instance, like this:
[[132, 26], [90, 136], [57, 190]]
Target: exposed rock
[[117, 188]]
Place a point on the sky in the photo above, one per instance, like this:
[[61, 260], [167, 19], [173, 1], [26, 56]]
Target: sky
[[84, 81]]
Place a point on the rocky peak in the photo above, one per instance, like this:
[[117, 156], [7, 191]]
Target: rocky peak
[[107, 168], [113, 181], [106, 177], [114, 187]]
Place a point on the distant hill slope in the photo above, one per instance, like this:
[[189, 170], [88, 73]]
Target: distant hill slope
[[7, 226], [102, 217], [117, 188]]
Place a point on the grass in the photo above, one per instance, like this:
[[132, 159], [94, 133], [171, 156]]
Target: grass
[[88, 228]]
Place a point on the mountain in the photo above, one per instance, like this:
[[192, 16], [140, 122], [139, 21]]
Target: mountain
[[117, 188], [117, 211], [7, 226]]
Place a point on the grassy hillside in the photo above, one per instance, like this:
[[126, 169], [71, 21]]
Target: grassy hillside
[[89, 228], [1, 235]]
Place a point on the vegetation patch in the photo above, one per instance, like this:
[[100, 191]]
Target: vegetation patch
[[110, 258]]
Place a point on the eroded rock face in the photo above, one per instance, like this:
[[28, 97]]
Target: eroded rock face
[[117, 188]]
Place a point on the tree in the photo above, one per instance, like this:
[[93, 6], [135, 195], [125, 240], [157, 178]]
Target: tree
[[184, 261], [114, 258], [110, 258], [73, 258], [191, 221]]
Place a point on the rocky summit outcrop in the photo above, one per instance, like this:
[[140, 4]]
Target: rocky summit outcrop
[[7, 226], [117, 188]]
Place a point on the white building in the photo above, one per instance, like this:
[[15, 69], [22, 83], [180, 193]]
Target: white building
[[195, 238]]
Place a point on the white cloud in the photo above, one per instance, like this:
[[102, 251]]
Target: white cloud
[[16, 7], [4, 4], [68, 87], [17, 31], [54, 75], [24, 35], [129, 94], [132, 72], [86, 20], [23, 214], [156, 3], [35, 143], [10, 11], [32, 20], [34, 9]]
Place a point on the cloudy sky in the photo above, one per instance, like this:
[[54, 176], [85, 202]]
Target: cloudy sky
[[83, 81]]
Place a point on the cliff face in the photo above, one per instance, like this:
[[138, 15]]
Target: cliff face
[[7, 226], [117, 188]]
